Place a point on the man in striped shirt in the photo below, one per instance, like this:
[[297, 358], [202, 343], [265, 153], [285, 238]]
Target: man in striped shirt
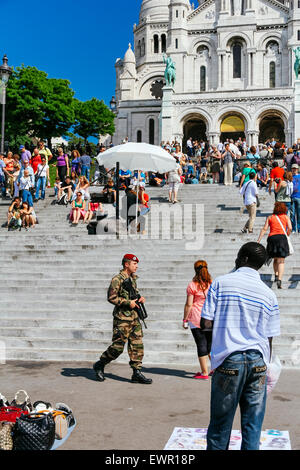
[[244, 316]]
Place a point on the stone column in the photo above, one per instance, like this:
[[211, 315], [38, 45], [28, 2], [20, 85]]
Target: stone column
[[214, 137], [166, 115], [221, 60], [252, 137]]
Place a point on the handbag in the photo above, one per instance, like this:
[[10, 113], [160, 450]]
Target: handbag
[[291, 248], [34, 432], [11, 413], [22, 402], [6, 440]]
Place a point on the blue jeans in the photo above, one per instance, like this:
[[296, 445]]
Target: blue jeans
[[85, 171], [295, 214], [27, 197], [2, 185], [41, 184], [240, 380]]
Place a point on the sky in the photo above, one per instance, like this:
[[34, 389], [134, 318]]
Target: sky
[[77, 40]]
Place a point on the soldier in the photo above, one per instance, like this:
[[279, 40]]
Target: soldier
[[126, 324]]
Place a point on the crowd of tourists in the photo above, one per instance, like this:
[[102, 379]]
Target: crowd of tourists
[[24, 177]]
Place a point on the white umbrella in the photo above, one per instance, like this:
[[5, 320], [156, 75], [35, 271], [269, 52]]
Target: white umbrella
[[138, 156]]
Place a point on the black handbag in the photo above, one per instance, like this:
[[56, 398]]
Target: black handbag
[[34, 432]]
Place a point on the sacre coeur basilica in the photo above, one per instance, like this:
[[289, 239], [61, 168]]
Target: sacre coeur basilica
[[234, 63]]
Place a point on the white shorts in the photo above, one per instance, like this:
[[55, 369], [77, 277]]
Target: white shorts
[[174, 186]]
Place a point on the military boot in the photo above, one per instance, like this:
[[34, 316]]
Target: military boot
[[139, 378], [99, 369]]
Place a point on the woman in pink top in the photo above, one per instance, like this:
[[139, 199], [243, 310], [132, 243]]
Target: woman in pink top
[[196, 296]]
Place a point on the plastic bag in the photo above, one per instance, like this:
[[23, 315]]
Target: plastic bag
[[273, 373]]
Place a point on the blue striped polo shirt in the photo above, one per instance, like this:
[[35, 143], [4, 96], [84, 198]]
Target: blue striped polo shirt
[[245, 313]]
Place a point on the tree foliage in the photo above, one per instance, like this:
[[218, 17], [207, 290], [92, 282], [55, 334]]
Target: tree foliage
[[37, 106], [93, 118], [43, 107]]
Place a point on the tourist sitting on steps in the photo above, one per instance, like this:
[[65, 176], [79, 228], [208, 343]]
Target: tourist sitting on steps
[[28, 216], [78, 209]]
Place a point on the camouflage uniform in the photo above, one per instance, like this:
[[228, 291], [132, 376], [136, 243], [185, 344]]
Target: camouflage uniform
[[126, 324]]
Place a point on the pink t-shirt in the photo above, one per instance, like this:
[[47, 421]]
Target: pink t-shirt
[[195, 290]]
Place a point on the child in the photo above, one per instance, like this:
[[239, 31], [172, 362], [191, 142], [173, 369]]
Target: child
[[57, 185]]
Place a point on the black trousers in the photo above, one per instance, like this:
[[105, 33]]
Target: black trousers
[[203, 340]]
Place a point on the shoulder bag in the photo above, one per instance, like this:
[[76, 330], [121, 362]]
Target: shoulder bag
[[291, 249], [11, 413], [34, 432]]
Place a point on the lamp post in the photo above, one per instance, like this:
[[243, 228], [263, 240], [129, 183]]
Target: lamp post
[[5, 73], [113, 104]]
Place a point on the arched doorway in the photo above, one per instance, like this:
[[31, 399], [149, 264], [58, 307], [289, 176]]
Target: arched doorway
[[232, 127], [271, 126], [195, 127]]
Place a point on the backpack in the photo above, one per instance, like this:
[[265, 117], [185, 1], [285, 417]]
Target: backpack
[[63, 201]]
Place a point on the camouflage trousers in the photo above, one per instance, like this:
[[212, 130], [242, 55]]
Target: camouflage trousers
[[130, 332]]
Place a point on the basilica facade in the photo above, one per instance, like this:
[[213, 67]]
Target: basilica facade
[[234, 72]]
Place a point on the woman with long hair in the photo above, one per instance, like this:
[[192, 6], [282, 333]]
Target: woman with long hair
[[277, 246], [196, 296]]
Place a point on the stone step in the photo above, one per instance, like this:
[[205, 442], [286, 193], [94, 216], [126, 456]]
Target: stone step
[[99, 343]]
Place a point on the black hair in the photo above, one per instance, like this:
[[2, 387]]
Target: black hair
[[252, 175], [252, 255]]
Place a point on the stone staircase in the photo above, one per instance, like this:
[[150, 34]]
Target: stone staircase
[[54, 279]]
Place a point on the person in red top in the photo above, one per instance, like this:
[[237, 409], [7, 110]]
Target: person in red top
[[277, 247], [35, 160], [196, 296], [275, 174]]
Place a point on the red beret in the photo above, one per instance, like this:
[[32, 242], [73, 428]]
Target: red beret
[[130, 258]]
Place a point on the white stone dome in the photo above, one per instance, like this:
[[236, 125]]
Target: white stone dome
[[129, 57], [155, 9]]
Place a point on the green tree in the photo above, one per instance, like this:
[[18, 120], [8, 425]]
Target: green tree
[[38, 106], [93, 118]]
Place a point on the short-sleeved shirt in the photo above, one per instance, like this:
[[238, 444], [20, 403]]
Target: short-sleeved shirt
[[2, 165], [85, 160], [26, 155], [65, 185], [277, 172], [194, 289], [45, 152], [35, 162], [42, 170], [146, 199], [245, 313], [296, 185], [246, 172]]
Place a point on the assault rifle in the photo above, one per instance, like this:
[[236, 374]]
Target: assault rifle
[[133, 295]]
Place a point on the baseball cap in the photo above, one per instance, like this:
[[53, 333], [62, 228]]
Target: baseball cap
[[22, 147], [130, 257], [295, 165]]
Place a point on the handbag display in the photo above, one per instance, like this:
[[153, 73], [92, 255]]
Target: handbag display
[[11, 413], [6, 439], [34, 432]]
